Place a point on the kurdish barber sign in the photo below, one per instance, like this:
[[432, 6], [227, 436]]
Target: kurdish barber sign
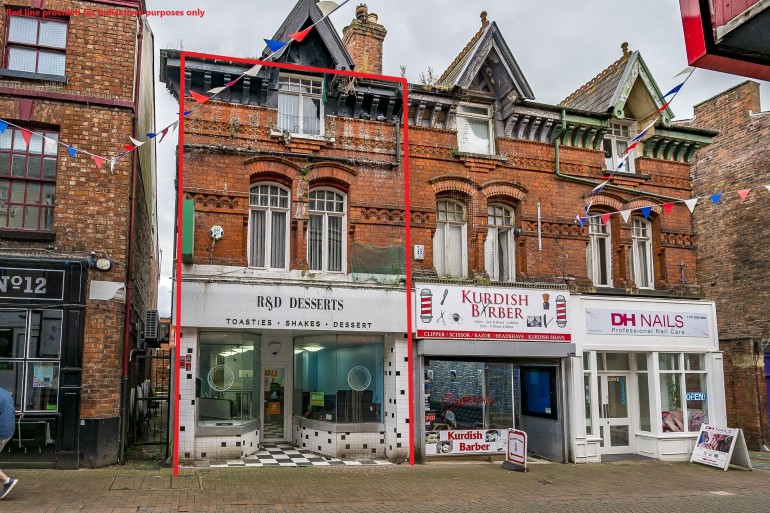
[[445, 311], [601, 321]]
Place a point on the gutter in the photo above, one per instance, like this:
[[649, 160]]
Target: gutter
[[587, 181]]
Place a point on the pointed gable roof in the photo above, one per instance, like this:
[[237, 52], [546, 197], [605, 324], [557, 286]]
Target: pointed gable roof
[[488, 43], [304, 14], [608, 91]]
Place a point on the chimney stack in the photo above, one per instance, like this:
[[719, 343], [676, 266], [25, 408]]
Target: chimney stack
[[363, 40]]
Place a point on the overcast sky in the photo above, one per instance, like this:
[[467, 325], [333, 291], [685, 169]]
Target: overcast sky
[[558, 44]]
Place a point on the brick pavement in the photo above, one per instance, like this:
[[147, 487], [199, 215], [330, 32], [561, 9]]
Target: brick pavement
[[446, 487]]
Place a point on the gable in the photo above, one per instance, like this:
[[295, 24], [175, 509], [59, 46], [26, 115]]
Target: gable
[[322, 47]]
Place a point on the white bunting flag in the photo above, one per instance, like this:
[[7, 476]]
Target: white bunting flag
[[253, 71], [136, 143], [112, 165], [767, 187], [327, 8], [216, 90], [174, 125], [688, 69], [625, 214], [691, 204]]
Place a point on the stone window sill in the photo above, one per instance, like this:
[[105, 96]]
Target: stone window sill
[[26, 75], [27, 235]]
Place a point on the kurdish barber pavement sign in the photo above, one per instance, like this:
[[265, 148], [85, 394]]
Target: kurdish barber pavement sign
[[465, 441], [446, 311], [602, 321]]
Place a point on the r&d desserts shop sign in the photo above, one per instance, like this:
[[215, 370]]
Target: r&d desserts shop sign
[[602, 321], [470, 441], [451, 311]]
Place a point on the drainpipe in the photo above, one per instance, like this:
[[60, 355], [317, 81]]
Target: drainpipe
[[130, 259], [563, 126]]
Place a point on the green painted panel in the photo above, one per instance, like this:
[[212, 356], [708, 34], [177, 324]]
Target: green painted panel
[[188, 230]]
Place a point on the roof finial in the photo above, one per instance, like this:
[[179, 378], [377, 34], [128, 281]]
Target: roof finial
[[484, 21], [624, 47]]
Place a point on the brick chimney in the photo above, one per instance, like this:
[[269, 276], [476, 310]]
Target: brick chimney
[[363, 40]]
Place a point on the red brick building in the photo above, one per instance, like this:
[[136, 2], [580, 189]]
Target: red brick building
[[293, 317], [87, 238], [732, 255]]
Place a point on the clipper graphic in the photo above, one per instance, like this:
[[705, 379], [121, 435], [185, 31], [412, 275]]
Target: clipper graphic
[[561, 311], [426, 305]]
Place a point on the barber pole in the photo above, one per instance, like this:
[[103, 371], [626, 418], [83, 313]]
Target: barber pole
[[426, 305], [561, 311]]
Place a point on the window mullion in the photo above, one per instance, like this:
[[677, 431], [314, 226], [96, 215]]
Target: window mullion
[[268, 238]]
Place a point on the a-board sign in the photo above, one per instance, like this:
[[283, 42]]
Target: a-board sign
[[721, 447], [516, 455]]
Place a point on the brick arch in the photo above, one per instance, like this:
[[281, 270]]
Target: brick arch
[[447, 184], [273, 169], [607, 202], [638, 203], [503, 189], [329, 173]]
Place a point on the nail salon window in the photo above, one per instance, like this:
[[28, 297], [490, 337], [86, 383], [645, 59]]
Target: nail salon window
[[226, 391], [339, 378], [30, 347], [683, 391]]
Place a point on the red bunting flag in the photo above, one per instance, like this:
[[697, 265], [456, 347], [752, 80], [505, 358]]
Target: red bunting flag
[[663, 107], [668, 207], [198, 97], [163, 134], [98, 161], [299, 36], [26, 134], [129, 147], [606, 218], [743, 193]]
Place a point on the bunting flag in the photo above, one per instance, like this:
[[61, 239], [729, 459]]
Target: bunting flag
[[163, 134], [213, 91], [230, 83], [3, 126], [299, 36], [187, 112], [112, 165], [152, 135], [605, 218], [73, 151], [625, 214], [688, 69], [98, 161], [327, 8], [200, 98], [583, 220], [135, 142], [744, 193], [767, 187], [252, 72], [674, 90], [716, 197], [174, 125], [26, 134], [662, 107], [691, 204], [668, 207], [274, 45], [646, 212], [129, 147]]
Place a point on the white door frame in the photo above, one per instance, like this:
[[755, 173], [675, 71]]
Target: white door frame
[[285, 406], [606, 421]]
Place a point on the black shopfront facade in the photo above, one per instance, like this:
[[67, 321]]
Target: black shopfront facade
[[42, 314]]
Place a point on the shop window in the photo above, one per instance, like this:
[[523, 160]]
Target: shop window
[[643, 391], [641, 253], [339, 378], [599, 252], [300, 105], [227, 386], [27, 180], [30, 348], [539, 392], [684, 398], [499, 246], [326, 233], [474, 129], [268, 226], [450, 246], [615, 144], [35, 45], [587, 392]]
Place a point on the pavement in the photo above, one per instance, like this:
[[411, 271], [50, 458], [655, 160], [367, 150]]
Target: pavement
[[620, 486]]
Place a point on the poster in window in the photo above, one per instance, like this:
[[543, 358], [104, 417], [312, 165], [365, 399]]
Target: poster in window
[[43, 375]]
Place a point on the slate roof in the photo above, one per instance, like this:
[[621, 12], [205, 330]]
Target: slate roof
[[600, 93]]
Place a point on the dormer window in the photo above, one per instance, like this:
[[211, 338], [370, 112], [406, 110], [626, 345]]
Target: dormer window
[[615, 143], [474, 129], [300, 109]]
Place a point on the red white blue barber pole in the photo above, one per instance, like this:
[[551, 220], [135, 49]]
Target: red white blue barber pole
[[516, 456]]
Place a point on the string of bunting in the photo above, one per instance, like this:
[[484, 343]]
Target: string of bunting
[[667, 207], [633, 143], [276, 47]]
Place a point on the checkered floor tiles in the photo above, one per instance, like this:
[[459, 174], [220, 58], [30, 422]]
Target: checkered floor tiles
[[286, 455], [272, 431]]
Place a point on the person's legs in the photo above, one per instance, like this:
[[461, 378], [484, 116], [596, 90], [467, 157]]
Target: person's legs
[[6, 482], [3, 477]]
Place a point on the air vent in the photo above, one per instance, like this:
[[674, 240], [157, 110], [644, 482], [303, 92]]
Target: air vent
[[151, 325]]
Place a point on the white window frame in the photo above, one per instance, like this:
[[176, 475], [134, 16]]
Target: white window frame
[[615, 143], [595, 257], [442, 251], [500, 218], [298, 86], [641, 237], [256, 206], [473, 111], [678, 376], [326, 214]]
